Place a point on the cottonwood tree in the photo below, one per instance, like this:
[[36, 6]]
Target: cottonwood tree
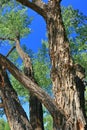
[[66, 109], [63, 73]]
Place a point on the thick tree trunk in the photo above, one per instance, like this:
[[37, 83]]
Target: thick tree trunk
[[63, 73], [36, 111], [16, 116]]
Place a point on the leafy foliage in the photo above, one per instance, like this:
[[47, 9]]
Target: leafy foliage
[[3, 2], [13, 22], [48, 122], [76, 23], [41, 66], [20, 89], [4, 125], [7, 126]]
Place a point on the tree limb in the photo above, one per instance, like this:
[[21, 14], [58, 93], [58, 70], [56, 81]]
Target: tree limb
[[1, 105], [34, 88], [7, 38], [36, 5], [15, 114], [10, 51]]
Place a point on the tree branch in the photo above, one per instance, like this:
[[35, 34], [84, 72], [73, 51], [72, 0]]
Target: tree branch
[[1, 105], [7, 38], [34, 88], [15, 114], [10, 51], [1, 101], [36, 5]]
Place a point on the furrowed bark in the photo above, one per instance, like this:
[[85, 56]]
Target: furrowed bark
[[36, 111], [16, 116], [49, 103], [63, 73]]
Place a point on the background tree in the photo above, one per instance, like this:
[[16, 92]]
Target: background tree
[[4, 125]]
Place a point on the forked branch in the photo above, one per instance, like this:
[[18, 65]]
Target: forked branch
[[36, 5], [33, 87]]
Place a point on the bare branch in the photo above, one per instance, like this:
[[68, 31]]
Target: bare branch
[[36, 5], [10, 51]]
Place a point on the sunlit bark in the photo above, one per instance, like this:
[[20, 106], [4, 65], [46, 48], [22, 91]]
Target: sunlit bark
[[16, 116], [63, 73]]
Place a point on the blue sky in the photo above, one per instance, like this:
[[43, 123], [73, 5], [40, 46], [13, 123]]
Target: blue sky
[[77, 4]]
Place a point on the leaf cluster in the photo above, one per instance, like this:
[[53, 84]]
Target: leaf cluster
[[4, 125], [42, 66], [13, 22], [75, 24]]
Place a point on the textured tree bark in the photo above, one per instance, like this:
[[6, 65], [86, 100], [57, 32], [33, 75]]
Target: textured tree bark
[[47, 101], [16, 116], [63, 73], [36, 112]]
